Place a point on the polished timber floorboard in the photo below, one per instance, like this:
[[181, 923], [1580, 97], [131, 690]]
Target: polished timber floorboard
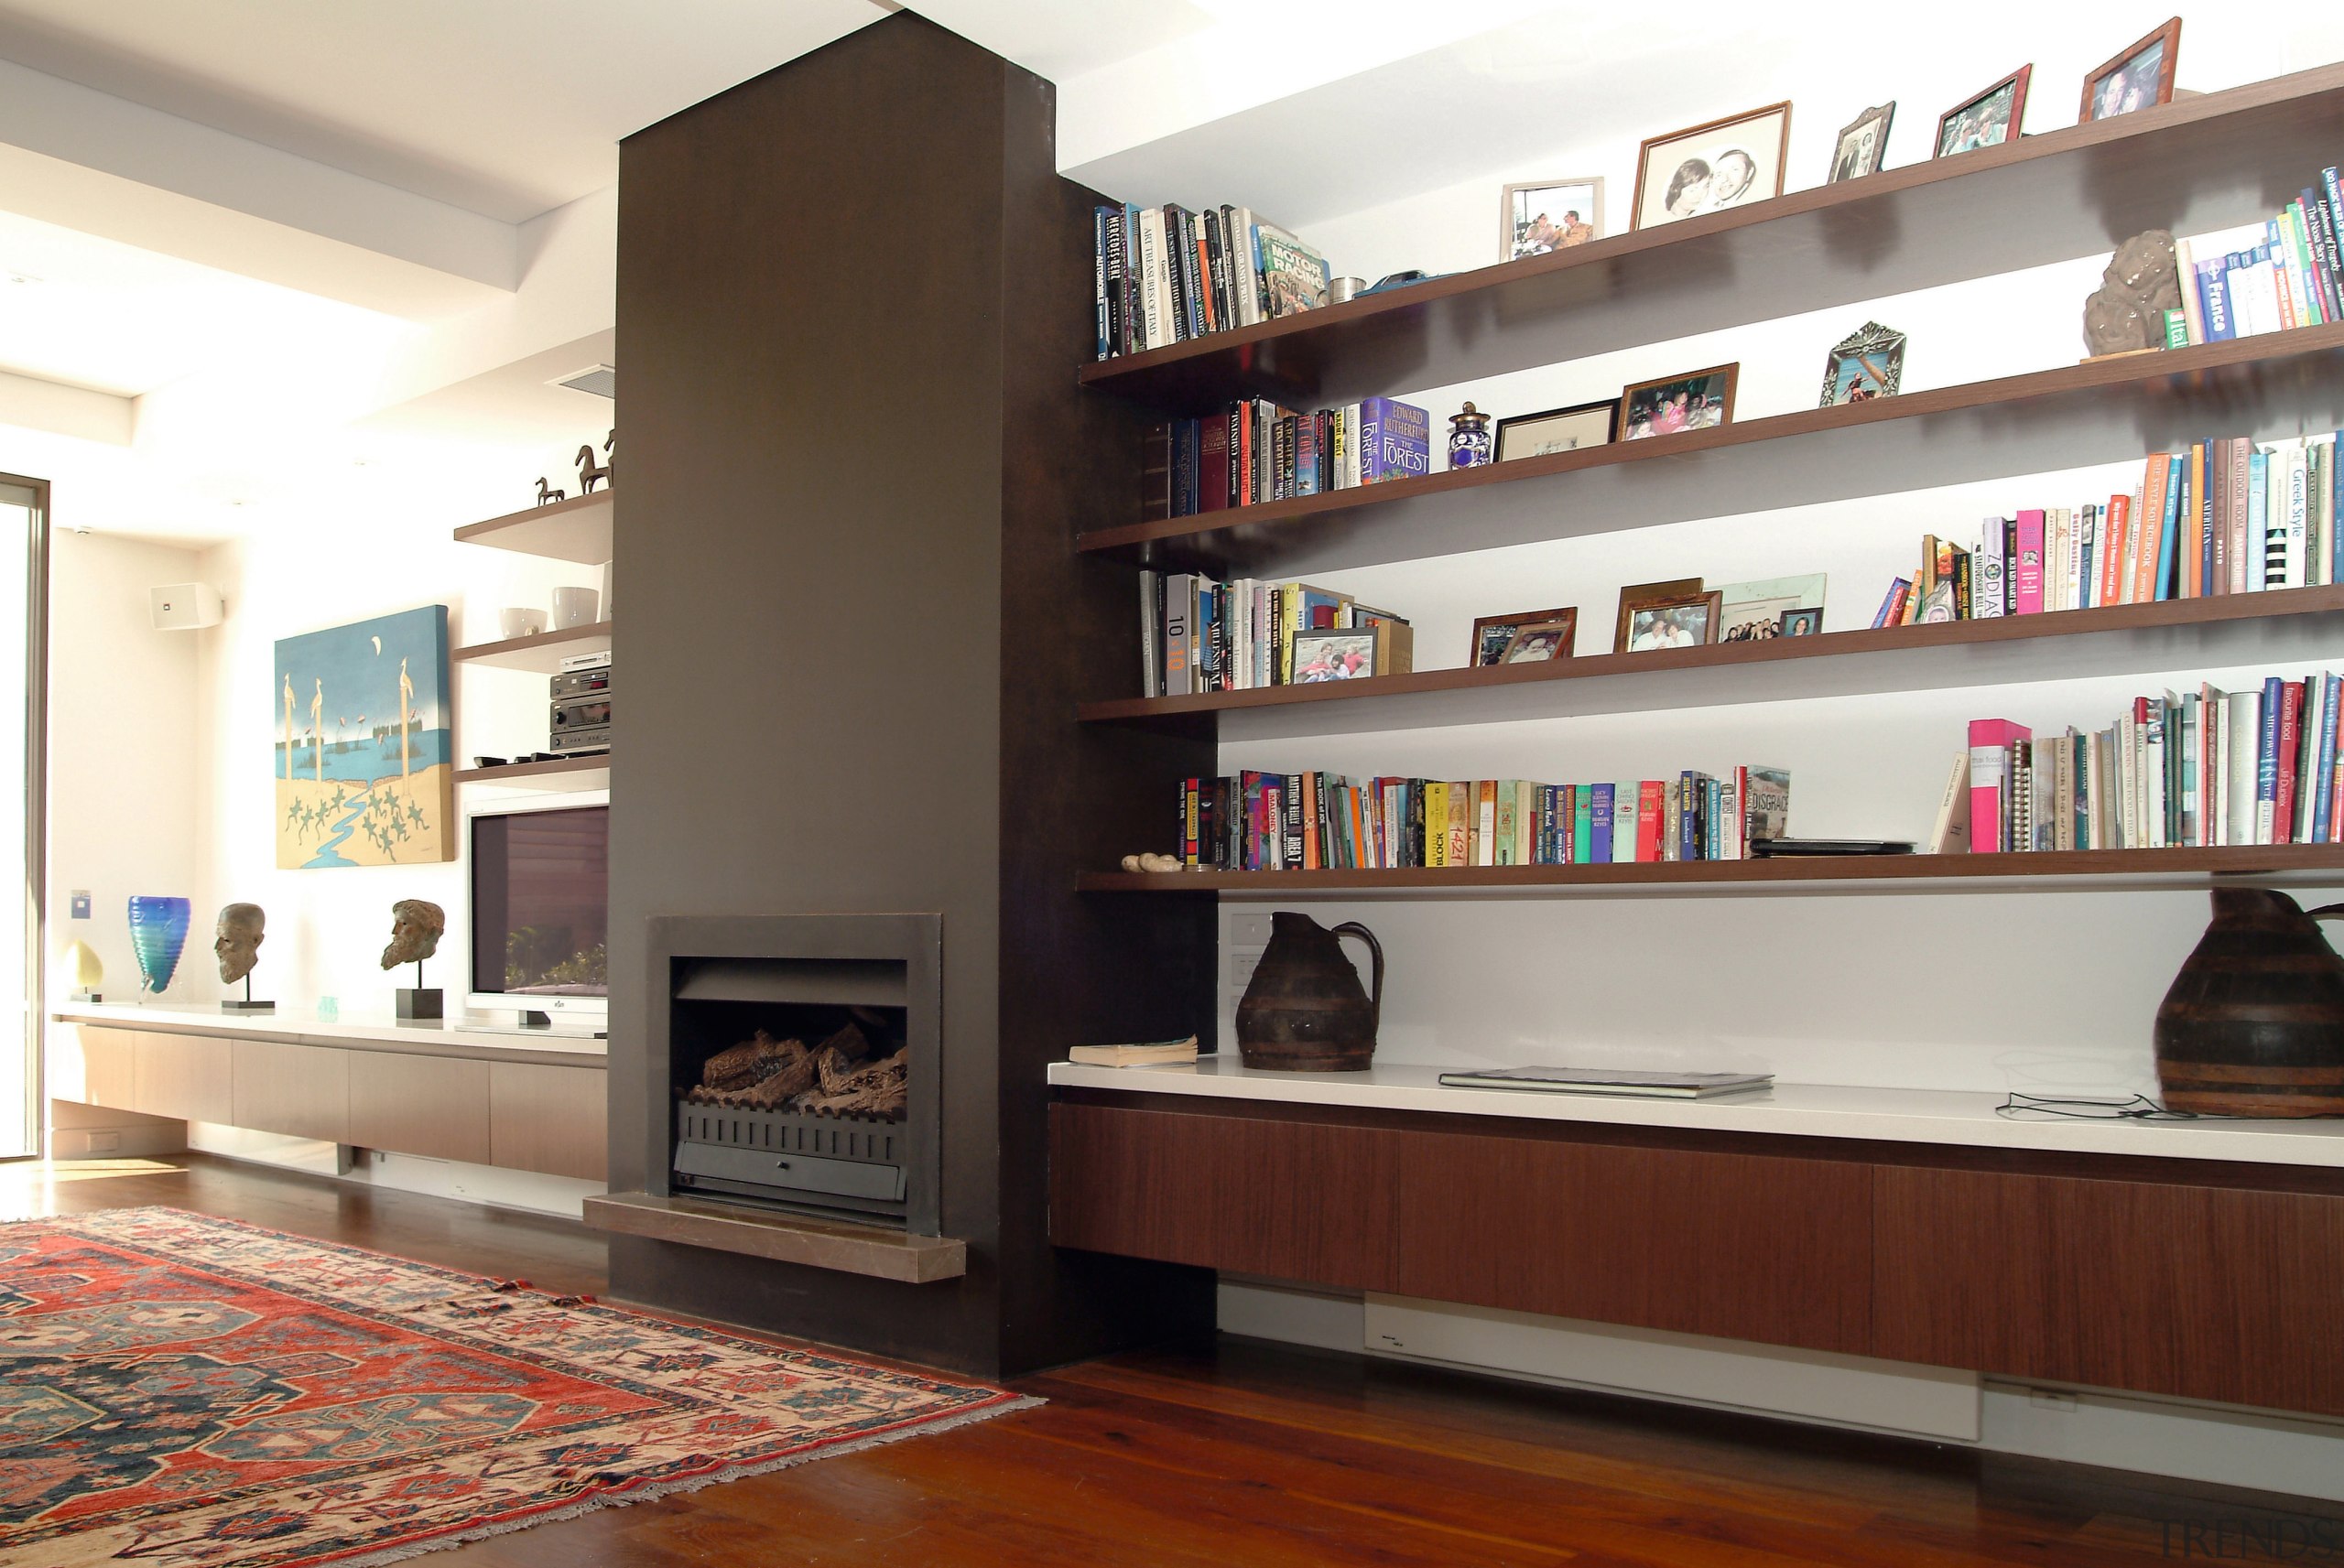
[[1243, 1453]]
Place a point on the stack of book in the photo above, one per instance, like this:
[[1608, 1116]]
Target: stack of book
[[2265, 278], [1164, 274], [1256, 451], [2225, 516], [2206, 768], [1198, 636], [1311, 821]]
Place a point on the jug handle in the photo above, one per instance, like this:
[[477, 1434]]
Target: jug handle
[[1375, 992], [2326, 911]]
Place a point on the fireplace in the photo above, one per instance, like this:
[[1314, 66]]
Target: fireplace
[[798, 1072]]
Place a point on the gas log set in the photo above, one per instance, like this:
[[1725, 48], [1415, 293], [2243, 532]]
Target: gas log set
[[837, 1078]]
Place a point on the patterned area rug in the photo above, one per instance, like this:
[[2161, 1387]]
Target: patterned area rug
[[176, 1390]]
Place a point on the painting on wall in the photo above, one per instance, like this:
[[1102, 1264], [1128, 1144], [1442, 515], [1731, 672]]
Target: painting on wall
[[364, 755]]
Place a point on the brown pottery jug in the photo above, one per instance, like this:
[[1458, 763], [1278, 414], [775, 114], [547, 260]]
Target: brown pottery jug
[[2255, 1023], [1304, 1012]]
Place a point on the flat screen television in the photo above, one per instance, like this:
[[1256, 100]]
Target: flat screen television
[[541, 906]]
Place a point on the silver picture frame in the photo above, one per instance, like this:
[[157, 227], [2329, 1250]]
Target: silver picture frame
[[1875, 356]]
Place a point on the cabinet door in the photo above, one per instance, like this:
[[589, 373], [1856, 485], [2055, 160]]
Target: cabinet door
[[1738, 1246], [433, 1106], [549, 1120], [1290, 1200], [91, 1066], [301, 1090], [183, 1075], [2205, 1293]]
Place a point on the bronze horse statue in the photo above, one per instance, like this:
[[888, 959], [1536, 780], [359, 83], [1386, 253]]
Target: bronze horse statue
[[548, 497], [589, 475]]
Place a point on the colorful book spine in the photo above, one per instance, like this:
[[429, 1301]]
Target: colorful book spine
[[1990, 741], [2027, 577], [1395, 441]]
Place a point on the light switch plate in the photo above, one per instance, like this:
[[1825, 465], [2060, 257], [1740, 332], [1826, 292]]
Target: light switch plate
[[81, 903]]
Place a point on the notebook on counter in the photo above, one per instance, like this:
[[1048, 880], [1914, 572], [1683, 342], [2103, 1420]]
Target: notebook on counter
[[1611, 1081], [1156, 1054]]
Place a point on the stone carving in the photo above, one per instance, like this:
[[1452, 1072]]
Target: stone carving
[[237, 937], [2127, 311], [1151, 862], [416, 926]]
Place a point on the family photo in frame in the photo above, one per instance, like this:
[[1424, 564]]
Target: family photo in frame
[[2141, 77], [1986, 119], [1868, 364], [1558, 430], [1658, 615], [1712, 167], [1495, 637], [1696, 400], [1550, 215], [1863, 142]]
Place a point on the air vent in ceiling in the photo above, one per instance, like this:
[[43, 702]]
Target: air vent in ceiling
[[600, 379]]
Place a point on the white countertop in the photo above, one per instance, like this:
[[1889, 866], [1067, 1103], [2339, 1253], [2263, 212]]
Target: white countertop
[[1811, 1111], [300, 1025]]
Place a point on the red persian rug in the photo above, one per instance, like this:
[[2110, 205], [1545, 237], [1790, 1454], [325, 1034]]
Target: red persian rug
[[179, 1391]]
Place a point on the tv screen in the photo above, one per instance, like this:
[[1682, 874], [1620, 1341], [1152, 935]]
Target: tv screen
[[541, 902]]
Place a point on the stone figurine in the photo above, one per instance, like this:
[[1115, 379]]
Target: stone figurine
[[2142, 282], [240, 930], [416, 926]]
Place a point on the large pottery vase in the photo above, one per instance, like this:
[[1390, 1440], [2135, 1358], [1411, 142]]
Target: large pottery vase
[[1303, 1010], [2255, 1023], [159, 935]]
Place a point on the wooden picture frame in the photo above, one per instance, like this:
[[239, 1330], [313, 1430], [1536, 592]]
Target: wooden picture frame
[[1802, 622], [2016, 85], [1852, 156], [2127, 73], [1641, 596], [1714, 385], [1333, 654], [1700, 153], [1541, 644], [1518, 235], [1493, 634], [1867, 364], [1529, 430]]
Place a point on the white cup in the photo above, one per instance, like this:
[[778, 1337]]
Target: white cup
[[574, 606], [520, 623]]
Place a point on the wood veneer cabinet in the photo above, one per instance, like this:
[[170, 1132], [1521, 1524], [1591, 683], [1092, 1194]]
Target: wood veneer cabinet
[[185, 1076], [432, 1106], [2194, 1278], [553, 1120], [302, 1091]]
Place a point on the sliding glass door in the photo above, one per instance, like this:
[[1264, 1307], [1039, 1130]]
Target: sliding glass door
[[24, 531]]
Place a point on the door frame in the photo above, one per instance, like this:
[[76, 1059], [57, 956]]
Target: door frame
[[36, 892]]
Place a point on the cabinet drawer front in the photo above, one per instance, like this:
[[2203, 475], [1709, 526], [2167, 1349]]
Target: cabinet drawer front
[[301, 1090], [183, 1076], [1290, 1200], [553, 1120], [1740, 1246], [432, 1106], [2205, 1293], [90, 1065]]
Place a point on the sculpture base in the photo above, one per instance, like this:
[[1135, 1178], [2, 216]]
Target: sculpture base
[[248, 1007], [415, 1003], [89, 996]]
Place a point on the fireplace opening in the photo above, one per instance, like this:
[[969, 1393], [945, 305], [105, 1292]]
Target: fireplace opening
[[804, 1085]]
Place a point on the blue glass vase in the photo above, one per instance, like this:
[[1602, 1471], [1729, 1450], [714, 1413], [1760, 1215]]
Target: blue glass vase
[[158, 934]]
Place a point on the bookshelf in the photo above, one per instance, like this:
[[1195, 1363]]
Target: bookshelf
[[2105, 411], [561, 773], [541, 655], [2203, 162], [578, 529]]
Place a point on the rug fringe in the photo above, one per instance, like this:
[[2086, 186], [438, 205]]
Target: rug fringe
[[653, 1493]]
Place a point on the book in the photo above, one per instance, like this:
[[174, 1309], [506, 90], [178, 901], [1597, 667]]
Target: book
[[1610, 1081], [1144, 1056], [1990, 781], [1765, 797], [1395, 441], [1949, 835], [1293, 276]]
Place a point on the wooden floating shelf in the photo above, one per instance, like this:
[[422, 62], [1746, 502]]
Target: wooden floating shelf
[[2048, 870], [2204, 162], [790, 1239], [2235, 628], [543, 652], [562, 774], [577, 530], [2109, 410]]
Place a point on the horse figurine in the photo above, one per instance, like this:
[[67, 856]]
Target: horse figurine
[[548, 497], [588, 474]]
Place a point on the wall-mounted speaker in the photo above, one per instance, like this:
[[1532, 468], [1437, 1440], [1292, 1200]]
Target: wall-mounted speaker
[[185, 606]]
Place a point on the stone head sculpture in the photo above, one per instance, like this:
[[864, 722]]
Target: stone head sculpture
[[2141, 284], [415, 928], [237, 940]]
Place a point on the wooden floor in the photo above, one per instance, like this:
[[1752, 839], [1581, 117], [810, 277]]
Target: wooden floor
[[1243, 1453]]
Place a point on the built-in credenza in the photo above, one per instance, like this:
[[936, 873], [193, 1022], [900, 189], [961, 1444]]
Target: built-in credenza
[[425, 1095], [2202, 1279]]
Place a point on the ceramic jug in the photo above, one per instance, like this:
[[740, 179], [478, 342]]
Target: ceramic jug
[[2255, 1023], [1303, 1010]]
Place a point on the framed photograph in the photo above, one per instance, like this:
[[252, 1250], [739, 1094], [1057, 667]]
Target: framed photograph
[[1802, 622], [1867, 364], [1693, 401], [1753, 611], [1539, 644], [1494, 634], [1558, 430], [1324, 655], [1708, 169], [1862, 144], [1639, 598], [1550, 215], [2138, 77], [1987, 120]]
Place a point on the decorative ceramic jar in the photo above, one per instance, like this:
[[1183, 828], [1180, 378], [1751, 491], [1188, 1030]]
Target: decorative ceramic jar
[[1303, 1010], [1469, 439], [2255, 1023]]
